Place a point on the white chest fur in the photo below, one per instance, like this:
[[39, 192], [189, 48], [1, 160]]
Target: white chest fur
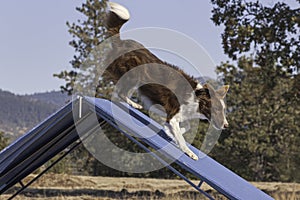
[[190, 110]]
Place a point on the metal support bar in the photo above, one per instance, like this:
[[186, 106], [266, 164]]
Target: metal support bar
[[45, 170], [21, 183], [80, 107], [54, 163], [169, 166], [199, 185]]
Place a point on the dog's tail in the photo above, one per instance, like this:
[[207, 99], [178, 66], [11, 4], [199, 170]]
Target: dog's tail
[[116, 17]]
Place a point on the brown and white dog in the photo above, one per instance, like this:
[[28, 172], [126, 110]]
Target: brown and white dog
[[158, 82]]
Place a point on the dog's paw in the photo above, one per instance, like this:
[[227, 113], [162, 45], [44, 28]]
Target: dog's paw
[[191, 154], [133, 104], [137, 106]]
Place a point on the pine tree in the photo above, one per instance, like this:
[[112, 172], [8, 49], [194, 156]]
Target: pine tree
[[88, 35]]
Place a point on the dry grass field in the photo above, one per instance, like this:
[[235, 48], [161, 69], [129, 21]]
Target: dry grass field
[[66, 187]]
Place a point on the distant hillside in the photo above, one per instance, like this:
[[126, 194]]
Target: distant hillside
[[54, 97], [19, 113]]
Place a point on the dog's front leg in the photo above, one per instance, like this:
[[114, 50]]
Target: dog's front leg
[[133, 104], [119, 96], [175, 128], [129, 101]]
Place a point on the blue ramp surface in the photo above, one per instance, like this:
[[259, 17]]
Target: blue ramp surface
[[206, 169], [59, 132]]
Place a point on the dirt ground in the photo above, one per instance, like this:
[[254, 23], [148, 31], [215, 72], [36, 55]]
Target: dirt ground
[[66, 187]]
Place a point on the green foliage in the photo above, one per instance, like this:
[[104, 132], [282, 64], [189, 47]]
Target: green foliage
[[61, 167], [264, 123], [273, 32], [263, 138], [87, 35]]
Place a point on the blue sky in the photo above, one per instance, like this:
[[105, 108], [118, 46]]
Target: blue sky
[[34, 36]]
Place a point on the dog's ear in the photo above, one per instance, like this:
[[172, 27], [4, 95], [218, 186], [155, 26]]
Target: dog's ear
[[220, 93], [223, 91]]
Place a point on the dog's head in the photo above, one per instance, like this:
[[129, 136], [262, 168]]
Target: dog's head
[[212, 106]]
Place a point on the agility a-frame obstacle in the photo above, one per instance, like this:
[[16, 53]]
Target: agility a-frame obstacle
[[59, 132]]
